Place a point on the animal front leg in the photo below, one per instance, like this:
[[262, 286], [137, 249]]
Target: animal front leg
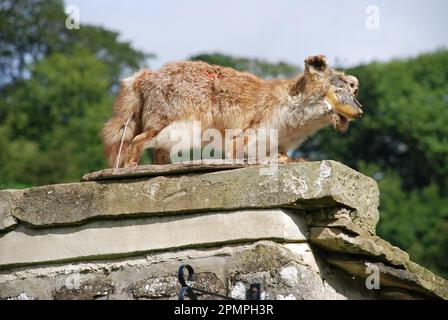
[[284, 158], [235, 147], [161, 156]]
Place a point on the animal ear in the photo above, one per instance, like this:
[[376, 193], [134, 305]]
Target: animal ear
[[316, 64]]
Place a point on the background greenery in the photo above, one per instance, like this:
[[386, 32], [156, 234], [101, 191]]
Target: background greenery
[[57, 87]]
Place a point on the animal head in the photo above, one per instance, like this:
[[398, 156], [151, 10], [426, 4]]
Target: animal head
[[334, 89]]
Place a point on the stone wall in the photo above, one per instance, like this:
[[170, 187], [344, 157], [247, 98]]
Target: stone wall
[[306, 232]]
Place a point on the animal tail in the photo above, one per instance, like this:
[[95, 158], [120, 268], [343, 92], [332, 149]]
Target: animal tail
[[125, 124]]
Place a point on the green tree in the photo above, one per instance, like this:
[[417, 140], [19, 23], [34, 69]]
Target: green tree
[[57, 87], [34, 29], [413, 220], [30, 29], [59, 112]]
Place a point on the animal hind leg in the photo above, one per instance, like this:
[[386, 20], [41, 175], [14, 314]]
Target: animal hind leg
[[135, 149]]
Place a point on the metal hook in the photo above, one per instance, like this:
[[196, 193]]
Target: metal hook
[[185, 289]]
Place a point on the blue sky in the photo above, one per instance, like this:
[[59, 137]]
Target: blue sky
[[274, 30]]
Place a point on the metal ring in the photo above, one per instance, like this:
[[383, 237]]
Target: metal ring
[[181, 277]]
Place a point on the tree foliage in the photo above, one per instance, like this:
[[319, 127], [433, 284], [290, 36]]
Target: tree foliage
[[57, 87], [57, 116], [34, 29]]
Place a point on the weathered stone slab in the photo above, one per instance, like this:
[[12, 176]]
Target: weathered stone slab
[[304, 185], [125, 237], [335, 239], [337, 217], [7, 220], [157, 170], [393, 277], [429, 280]]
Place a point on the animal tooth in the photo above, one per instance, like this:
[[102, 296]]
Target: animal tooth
[[329, 106]]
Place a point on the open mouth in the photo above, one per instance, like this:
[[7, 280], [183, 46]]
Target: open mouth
[[339, 119], [342, 112]]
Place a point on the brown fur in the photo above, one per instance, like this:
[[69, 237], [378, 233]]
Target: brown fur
[[220, 98]]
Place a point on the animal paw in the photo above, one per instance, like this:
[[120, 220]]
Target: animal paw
[[283, 158], [131, 163]]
